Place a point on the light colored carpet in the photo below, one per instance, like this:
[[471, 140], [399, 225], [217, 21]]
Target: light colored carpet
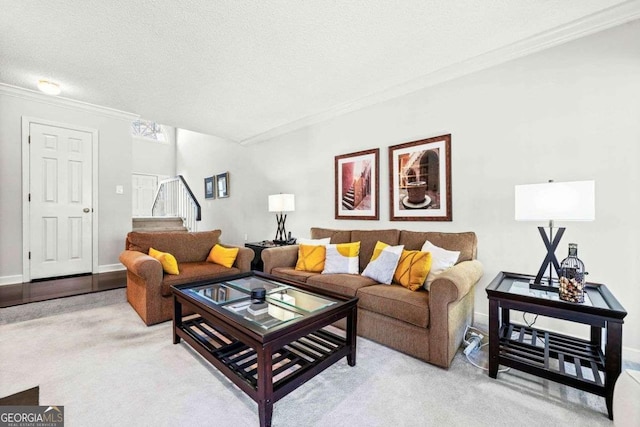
[[107, 368], [47, 308]]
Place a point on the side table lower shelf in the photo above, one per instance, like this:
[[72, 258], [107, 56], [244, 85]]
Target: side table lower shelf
[[568, 360]]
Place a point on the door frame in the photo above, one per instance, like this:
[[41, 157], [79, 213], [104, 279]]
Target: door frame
[[26, 185]]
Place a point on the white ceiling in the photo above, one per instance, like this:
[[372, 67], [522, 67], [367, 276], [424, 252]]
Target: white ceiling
[[249, 70]]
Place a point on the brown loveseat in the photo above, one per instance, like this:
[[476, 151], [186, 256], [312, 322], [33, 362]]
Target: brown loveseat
[[428, 325], [149, 288]]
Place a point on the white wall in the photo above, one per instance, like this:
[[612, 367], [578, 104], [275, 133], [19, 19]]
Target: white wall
[[114, 168], [151, 157], [569, 113], [200, 156]]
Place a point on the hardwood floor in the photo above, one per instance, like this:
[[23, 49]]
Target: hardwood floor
[[24, 293]]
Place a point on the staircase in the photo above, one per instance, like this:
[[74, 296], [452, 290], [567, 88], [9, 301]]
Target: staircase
[[175, 208], [158, 223], [348, 199]]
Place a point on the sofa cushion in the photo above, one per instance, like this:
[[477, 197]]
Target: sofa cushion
[[185, 246], [383, 263], [292, 274], [441, 261], [223, 256], [313, 242], [168, 261], [336, 236], [465, 242], [343, 284], [193, 272], [342, 258], [311, 258], [413, 268], [397, 302], [368, 240]]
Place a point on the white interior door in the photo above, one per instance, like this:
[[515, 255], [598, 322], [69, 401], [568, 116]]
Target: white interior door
[[60, 208], [143, 192]]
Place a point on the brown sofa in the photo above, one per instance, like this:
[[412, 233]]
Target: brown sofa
[[428, 325], [149, 288]]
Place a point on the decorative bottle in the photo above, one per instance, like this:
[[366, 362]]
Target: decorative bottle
[[572, 277]]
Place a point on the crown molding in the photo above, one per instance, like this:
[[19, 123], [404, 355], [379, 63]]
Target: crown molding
[[58, 101], [605, 19]]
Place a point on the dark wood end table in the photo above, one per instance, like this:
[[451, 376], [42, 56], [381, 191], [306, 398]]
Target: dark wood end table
[[257, 248], [583, 364]]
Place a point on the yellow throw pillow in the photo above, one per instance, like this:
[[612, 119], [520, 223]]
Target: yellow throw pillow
[[412, 270], [311, 258], [168, 261], [223, 256], [342, 258]]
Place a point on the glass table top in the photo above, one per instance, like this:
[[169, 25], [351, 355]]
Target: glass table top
[[283, 303], [522, 288]]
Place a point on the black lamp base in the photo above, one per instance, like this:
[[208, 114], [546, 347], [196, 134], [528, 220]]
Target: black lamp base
[[544, 286], [281, 233], [550, 261]]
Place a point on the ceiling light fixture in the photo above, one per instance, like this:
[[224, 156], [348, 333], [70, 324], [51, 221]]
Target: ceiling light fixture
[[49, 87]]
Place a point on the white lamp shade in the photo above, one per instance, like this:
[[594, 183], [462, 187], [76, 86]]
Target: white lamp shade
[[282, 203], [559, 201]]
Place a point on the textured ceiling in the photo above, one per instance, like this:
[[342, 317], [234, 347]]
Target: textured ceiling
[[246, 70]]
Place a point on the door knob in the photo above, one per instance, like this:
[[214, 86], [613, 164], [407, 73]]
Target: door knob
[[86, 210]]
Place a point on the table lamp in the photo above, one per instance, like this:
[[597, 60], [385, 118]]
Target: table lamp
[[553, 201], [280, 203]]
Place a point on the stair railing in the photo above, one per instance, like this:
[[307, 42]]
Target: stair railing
[[175, 198]]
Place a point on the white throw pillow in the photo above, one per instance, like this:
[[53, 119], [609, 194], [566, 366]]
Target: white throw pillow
[[441, 260], [342, 258], [383, 263], [313, 242]]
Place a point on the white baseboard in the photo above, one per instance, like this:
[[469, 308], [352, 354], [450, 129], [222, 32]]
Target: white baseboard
[[629, 354], [10, 280], [110, 267]]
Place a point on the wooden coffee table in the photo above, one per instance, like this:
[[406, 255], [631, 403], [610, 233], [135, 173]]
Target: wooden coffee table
[[269, 355]]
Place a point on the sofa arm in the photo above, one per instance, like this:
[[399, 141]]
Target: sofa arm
[[451, 300], [243, 259], [456, 282], [282, 256], [142, 265]]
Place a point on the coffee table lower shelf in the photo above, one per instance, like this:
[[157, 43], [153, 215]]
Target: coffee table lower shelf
[[288, 362], [569, 360]]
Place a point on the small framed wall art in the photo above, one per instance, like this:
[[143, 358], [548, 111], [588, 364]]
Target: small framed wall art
[[420, 180], [222, 181], [209, 185], [357, 185]]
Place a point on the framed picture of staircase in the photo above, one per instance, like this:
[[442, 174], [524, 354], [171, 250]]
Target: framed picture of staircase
[[357, 185]]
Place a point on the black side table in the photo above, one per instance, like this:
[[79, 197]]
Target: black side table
[[258, 247], [579, 363]]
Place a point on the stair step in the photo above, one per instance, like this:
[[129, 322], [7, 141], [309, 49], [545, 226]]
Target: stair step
[[158, 223], [160, 229]]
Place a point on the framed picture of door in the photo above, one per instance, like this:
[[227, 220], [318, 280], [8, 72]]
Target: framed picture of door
[[222, 185], [420, 180], [357, 185], [209, 185]]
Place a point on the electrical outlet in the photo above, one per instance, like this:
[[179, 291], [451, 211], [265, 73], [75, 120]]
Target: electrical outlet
[[246, 237]]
